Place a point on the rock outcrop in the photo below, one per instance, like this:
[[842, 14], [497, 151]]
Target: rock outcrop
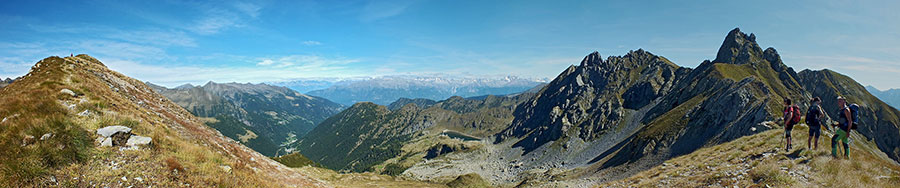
[[120, 136], [588, 99]]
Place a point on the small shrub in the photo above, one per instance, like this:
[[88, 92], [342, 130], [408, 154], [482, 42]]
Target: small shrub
[[172, 165], [393, 169]]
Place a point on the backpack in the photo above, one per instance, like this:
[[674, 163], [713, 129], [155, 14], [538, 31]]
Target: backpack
[[795, 114], [854, 113], [812, 115]]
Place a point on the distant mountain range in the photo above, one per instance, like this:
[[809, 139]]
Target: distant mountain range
[[891, 96], [312, 84], [264, 117], [387, 89], [7, 81]]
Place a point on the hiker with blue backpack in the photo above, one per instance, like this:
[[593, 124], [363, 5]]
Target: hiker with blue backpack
[[791, 117], [848, 116], [813, 119]]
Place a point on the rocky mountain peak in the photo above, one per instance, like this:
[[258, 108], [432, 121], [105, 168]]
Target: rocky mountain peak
[[592, 59], [185, 86], [738, 48], [588, 99]]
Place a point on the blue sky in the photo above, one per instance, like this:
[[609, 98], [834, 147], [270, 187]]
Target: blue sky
[[175, 42]]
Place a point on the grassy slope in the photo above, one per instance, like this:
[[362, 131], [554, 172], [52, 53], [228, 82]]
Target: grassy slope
[[366, 179], [759, 160], [183, 153]]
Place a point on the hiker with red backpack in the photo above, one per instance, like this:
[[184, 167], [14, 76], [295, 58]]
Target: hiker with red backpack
[[848, 119], [791, 117], [813, 119]]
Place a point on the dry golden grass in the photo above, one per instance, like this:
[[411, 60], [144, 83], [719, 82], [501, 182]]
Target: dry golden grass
[[184, 152], [366, 179], [760, 160]]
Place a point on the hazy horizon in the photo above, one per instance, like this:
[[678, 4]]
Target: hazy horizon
[[173, 43]]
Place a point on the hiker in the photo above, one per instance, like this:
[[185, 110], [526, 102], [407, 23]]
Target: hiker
[[843, 132], [791, 117], [813, 119]]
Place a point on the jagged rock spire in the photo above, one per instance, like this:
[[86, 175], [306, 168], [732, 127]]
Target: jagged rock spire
[[738, 48], [593, 58]]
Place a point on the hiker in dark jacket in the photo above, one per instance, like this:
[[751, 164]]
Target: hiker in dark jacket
[[791, 117], [842, 134], [813, 119]]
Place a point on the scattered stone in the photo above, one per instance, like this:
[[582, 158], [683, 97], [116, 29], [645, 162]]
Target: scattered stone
[[28, 140], [85, 113], [753, 129], [68, 106], [46, 136], [139, 179], [107, 142], [68, 92], [138, 141], [124, 178], [225, 168], [110, 130]]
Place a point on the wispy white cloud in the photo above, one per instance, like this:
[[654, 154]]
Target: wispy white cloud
[[312, 43], [866, 70], [155, 37], [122, 50], [376, 10], [307, 62], [217, 18], [146, 36], [267, 69], [266, 62], [249, 9]]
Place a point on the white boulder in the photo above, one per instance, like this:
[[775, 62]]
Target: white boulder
[[68, 92], [110, 130], [138, 141], [107, 142]]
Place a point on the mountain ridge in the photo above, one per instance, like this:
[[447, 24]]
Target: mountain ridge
[[267, 118], [386, 89], [890, 96], [67, 98]]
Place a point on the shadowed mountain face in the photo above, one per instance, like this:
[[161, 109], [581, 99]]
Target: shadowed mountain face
[[891, 96], [367, 134], [264, 117], [667, 111], [586, 100]]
